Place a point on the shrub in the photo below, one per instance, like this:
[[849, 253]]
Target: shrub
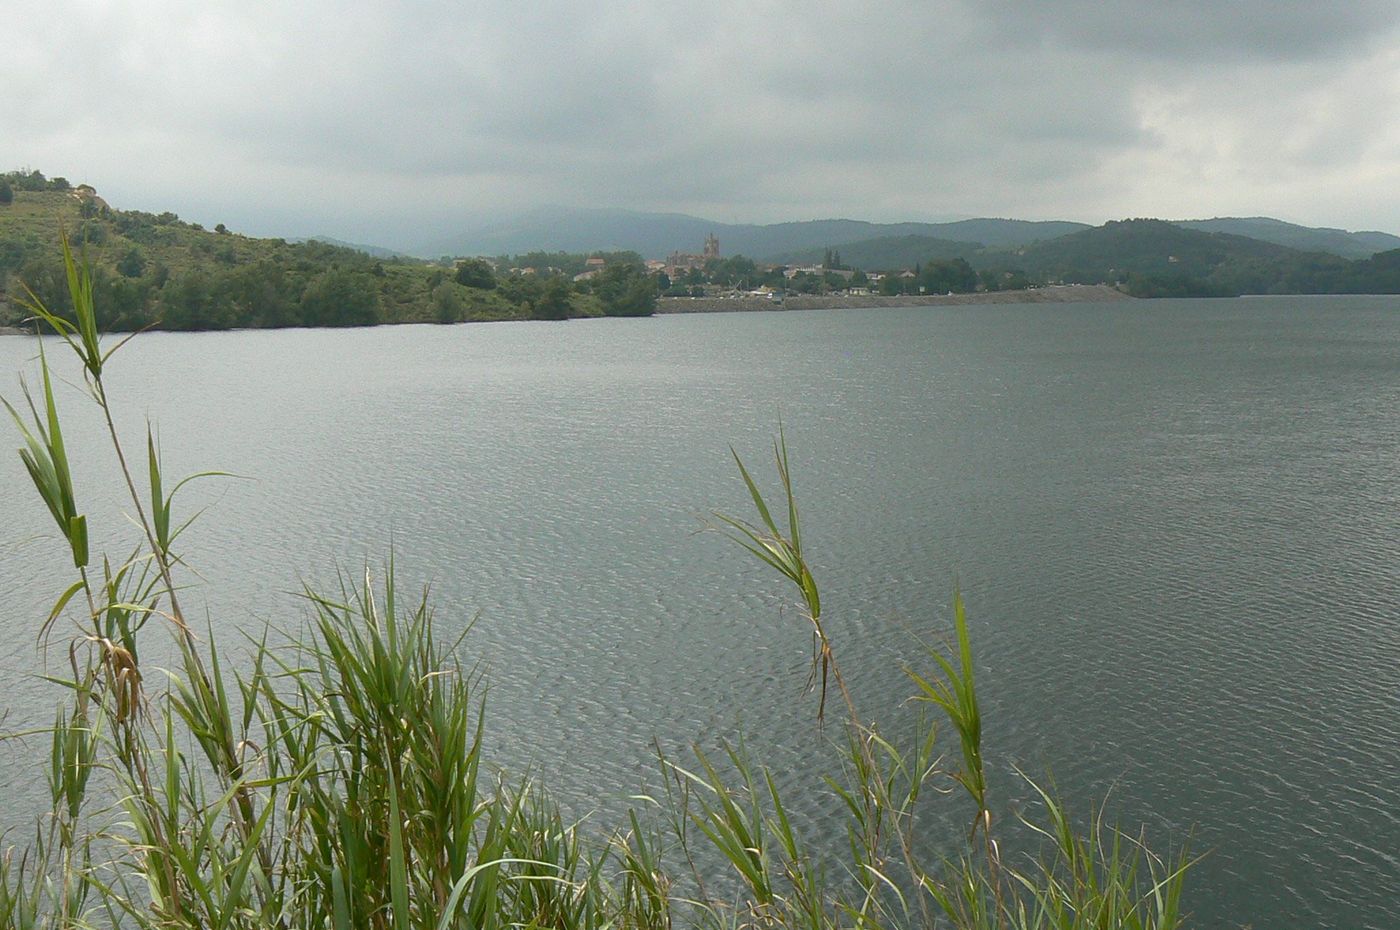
[[339, 297], [476, 272], [553, 302], [626, 290]]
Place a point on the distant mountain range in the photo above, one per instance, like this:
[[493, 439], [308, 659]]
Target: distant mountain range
[[656, 235], [1154, 258], [1304, 238], [863, 244]]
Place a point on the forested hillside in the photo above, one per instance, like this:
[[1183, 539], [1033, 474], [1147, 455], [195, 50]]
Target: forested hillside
[[1154, 258], [1338, 242], [158, 270]]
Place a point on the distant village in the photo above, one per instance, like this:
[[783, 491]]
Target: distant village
[[711, 275]]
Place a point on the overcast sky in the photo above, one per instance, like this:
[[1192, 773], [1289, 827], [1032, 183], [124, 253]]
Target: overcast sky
[[393, 122]]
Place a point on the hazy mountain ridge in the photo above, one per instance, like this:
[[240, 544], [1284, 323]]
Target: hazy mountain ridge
[[656, 235], [1155, 258], [989, 243], [1347, 244], [873, 245]]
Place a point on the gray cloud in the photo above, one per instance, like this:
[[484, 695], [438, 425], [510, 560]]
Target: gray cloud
[[392, 122], [1198, 30]]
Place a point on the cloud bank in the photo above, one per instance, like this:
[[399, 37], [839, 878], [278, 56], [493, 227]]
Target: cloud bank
[[395, 122]]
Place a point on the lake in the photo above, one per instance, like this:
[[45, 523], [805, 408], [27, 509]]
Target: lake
[[1176, 526]]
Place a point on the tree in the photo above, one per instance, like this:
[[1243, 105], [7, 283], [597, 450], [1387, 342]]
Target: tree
[[47, 279], [735, 271], [804, 283], [553, 302], [941, 276], [338, 297], [521, 289], [995, 279], [448, 306], [626, 290], [11, 257], [132, 264], [260, 294], [192, 302], [477, 273], [626, 256], [93, 232], [7, 193]]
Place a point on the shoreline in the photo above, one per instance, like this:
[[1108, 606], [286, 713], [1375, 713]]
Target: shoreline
[[1064, 293]]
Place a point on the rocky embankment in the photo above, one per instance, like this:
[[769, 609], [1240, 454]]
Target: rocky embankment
[[1070, 293]]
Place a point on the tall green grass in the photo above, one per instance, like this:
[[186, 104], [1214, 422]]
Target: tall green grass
[[337, 781]]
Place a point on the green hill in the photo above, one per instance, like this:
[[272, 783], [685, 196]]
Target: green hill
[[1144, 247], [155, 270], [1304, 238], [1155, 258], [158, 270]]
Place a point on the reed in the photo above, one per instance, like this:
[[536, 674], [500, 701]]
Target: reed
[[336, 780]]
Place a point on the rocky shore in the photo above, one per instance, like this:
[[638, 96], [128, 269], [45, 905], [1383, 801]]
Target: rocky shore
[[1070, 293]]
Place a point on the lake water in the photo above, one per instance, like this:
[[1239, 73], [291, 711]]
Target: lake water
[[1176, 525]]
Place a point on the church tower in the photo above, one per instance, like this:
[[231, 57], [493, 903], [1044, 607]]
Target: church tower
[[711, 247]]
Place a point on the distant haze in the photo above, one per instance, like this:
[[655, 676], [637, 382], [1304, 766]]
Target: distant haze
[[657, 234], [405, 124]]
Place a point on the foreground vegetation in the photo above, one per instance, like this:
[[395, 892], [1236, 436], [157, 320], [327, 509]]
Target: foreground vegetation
[[338, 781]]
